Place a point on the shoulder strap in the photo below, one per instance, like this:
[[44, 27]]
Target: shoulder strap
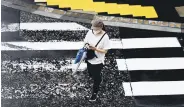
[[100, 39]]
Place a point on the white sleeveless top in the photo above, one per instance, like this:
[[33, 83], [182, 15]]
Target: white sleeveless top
[[103, 44]]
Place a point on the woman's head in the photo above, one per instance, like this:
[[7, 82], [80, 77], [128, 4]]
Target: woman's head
[[97, 26]]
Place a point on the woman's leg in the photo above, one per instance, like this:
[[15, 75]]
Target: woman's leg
[[89, 69], [97, 77]]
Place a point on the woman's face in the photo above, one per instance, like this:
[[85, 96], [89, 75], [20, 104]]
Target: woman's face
[[96, 30]]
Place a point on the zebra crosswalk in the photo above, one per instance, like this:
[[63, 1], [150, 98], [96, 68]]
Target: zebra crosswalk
[[155, 65]]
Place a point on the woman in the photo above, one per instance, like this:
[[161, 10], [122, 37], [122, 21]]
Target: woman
[[95, 65]]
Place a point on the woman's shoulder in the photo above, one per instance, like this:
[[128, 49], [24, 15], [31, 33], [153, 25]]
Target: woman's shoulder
[[106, 35], [89, 33], [90, 30]]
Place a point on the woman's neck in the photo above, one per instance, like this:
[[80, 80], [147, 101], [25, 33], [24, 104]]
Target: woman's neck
[[100, 34]]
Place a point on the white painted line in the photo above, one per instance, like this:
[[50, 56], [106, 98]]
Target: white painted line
[[7, 48], [155, 88], [52, 26], [63, 26], [10, 27], [121, 64], [48, 45], [64, 45], [150, 42], [116, 44], [73, 66], [127, 89], [153, 63]]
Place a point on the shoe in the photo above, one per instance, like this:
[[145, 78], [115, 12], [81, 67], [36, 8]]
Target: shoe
[[93, 97]]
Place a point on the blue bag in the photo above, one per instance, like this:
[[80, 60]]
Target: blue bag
[[80, 55]]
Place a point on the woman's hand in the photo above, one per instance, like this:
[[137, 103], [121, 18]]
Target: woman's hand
[[92, 47]]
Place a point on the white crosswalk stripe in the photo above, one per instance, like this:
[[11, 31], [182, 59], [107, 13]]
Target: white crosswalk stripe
[[12, 27], [150, 42], [151, 63], [52, 26], [154, 88], [64, 45]]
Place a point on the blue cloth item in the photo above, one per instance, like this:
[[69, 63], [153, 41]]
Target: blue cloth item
[[80, 55]]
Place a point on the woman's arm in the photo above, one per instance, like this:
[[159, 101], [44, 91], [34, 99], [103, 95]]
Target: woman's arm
[[101, 50], [98, 50]]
